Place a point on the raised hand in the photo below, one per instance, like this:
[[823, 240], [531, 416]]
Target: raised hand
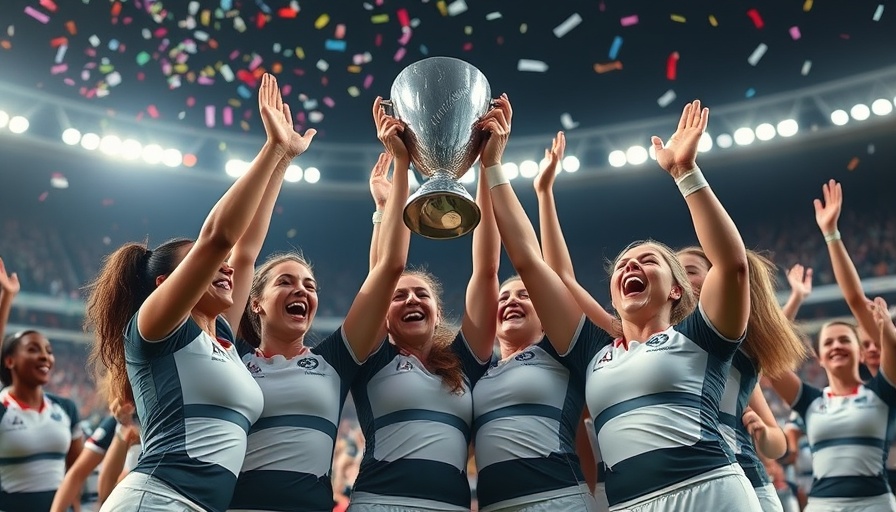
[[9, 283], [277, 119], [881, 313], [828, 212], [800, 279], [545, 179], [679, 155], [123, 412], [380, 186], [497, 123], [389, 130]]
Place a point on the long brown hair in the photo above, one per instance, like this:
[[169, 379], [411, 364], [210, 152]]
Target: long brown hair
[[773, 342], [126, 279], [442, 360], [250, 325]]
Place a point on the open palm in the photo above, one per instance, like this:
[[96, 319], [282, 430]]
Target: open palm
[[545, 179], [679, 155], [380, 186], [828, 212], [277, 119], [9, 283]]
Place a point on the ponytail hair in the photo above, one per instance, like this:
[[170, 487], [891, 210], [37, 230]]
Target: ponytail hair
[[442, 360], [124, 282]]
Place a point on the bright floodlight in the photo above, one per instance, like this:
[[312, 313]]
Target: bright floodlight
[[152, 153], [839, 117], [511, 171], [71, 136], [529, 169], [4, 119], [859, 112], [172, 157], [236, 168], [469, 177], [571, 164], [131, 149], [765, 131], [312, 175], [881, 107], [636, 155], [110, 145], [788, 128], [90, 141], [293, 173], [724, 141], [617, 158], [18, 124], [744, 136], [703, 146]]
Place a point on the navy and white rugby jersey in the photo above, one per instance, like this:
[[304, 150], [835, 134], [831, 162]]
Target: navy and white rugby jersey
[[849, 436], [655, 406], [290, 449], [417, 431], [33, 446], [196, 401], [98, 442], [742, 379], [525, 413]]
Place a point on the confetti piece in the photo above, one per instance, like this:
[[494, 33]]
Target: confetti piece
[[627, 21], [492, 16], [322, 21], [406, 34], [210, 116], [226, 73], [113, 78], [750, 93], [49, 5], [678, 18], [152, 111], [322, 65], [570, 23], [227, 116], [403, 18], [795, 33], [60, 54], [339, 33], [354, 92], [853, 164], [316, 116], [378, 19], [71, 27], [56, 42], [524, 28], [713, 21], [672, 66], [467, 46], [757, 54], [807, 6], [807, 66], [244, 92], [94, 40], [468, 30], [878, 12], [667, 98], [611, 66], [531, 65], [43, 197], [58, 68], [567, 122], [457, 7], [328, 101], [756, 17], [287, 12], [443, 9], [399, 54], [368, 81], [614, 48], [335, 45], [39, 16]]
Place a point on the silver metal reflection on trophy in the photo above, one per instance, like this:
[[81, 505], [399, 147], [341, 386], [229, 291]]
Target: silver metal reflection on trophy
[[440, 100]]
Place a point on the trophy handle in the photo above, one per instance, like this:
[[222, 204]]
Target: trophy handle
[[389, 107]]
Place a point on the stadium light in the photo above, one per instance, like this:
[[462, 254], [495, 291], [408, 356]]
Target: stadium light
[[18, 124], [90, 141], [312, 175], [860, 112], [882, 107], [724, 141], [172, 157], [469, 177], [617, 158], [110, 145], [4, 119], [636, 155], [703, 146], [765, 131], [131, 149], [839, 117], [152, 153], [71, 136], [511, 170], [788, 128], [529, 169], [293, 173], [744, 136], [571, 164], [236, 168]]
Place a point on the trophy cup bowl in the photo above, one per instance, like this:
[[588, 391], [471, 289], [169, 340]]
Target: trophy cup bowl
[[440, 100]]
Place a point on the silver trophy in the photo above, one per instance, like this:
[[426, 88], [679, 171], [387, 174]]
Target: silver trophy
[[440, 101]]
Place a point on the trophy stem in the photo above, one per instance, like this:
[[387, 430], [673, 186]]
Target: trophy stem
[[441, 208]]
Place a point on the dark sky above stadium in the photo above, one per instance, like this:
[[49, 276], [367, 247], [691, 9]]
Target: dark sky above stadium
[[564, 64]]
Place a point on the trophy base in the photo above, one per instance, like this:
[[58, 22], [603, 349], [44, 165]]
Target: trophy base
[[441, 209]]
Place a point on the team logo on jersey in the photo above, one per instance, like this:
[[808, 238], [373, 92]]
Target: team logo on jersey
[[606, 358], [657, 340], [404, 366], [218, 353], [16, 423], [254, 369], [861, 400], [525, 356], [308, 363], [56, 416]]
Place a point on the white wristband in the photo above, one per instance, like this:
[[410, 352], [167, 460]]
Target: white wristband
[[377, 216], [832, 237], [494, 176], [691, 182]]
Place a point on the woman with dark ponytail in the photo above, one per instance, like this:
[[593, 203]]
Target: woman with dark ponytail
[[164, 322], [39, 433]]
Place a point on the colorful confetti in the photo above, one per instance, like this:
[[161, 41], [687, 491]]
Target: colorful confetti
[[570, 23]]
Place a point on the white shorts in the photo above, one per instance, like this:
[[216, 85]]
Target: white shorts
[[576, 503], [882, 503], [144, 493], [600, 496], [729, 493], [768, 498]]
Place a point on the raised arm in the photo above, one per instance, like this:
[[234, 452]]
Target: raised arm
[[827, 213], [725, 296], [364, 324], [556, 307], [9, 288], [800, 280], [481, 306], [379, 191], [246, 250], [887, 335], [767, 436], [170, 303], [553, 243]]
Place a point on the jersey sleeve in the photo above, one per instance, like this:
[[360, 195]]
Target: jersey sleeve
[[588, 341], [338, 353], [101, 437], [473, 368], [881, 386], [804, 398], [700, 330], [71, 410], [138, 350]]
